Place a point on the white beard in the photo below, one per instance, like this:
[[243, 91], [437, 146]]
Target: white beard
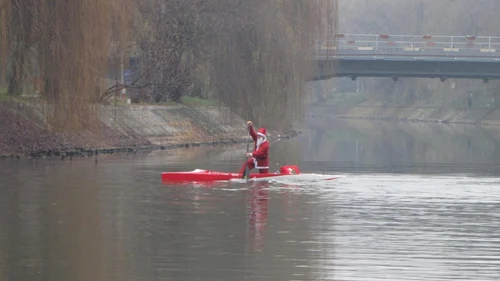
[[260, 141]]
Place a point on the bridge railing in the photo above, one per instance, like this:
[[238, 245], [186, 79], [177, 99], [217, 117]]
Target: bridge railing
[[376, 43]]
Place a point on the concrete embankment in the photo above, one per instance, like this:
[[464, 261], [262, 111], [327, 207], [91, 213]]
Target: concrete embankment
[[23, 131], [372, 110]]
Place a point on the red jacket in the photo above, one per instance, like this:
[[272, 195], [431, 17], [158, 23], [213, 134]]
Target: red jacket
[[260, 153]]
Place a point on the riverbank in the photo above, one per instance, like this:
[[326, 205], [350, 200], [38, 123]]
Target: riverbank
[[122, 129], [364, 106]]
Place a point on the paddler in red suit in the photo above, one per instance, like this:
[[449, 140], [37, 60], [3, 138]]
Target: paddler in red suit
[[257, 159]]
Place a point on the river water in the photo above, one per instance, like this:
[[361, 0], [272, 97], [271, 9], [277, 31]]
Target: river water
[[419, 202]]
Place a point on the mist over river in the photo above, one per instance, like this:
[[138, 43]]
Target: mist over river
[[420, 202]]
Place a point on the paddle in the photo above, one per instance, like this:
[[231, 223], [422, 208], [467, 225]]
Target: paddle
[[247, 171]]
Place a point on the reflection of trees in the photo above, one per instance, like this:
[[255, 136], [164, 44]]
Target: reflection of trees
[[495, 142], [315, 139], [277, 228], [284, 152], [393, 144], [257, 213], [10, 230], [51, 225], [73, 227], [84, 220]]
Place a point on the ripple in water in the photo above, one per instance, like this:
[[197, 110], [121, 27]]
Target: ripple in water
[[408, 228]]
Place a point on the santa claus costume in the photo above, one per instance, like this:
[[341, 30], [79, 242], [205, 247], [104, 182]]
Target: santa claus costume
[[259, 159]]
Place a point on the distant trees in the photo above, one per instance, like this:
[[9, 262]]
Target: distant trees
[[444, 17], [250, 55]]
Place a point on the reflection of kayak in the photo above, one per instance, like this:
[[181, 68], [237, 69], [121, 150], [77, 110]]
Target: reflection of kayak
[[285, 173]]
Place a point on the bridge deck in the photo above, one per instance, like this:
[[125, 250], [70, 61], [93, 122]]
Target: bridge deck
[[409, 56]]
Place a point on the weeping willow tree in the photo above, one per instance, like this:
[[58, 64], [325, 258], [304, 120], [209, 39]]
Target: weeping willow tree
[[66, 45], [253, 56], [261, 67]]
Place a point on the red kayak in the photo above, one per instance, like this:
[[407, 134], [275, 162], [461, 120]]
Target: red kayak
[[286, 172]]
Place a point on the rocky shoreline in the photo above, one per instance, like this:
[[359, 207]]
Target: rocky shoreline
[[84, 152], [24, 136], [87, 152]]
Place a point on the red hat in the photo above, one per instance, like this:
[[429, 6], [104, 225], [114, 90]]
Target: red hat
[[262, 132]]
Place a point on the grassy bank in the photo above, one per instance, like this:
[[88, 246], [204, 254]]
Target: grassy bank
[[192, 102]]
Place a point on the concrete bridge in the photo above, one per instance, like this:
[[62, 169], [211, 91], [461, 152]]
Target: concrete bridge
[[394, 56]]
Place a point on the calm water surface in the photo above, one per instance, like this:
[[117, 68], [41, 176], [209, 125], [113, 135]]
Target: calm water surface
[[418, 203]]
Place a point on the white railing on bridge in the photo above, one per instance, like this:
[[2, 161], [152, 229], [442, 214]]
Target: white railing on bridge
[[410, 43]]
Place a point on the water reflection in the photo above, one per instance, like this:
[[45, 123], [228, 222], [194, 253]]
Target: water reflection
[[115, 220], [52, 228], [400, 147], [257, 213]]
